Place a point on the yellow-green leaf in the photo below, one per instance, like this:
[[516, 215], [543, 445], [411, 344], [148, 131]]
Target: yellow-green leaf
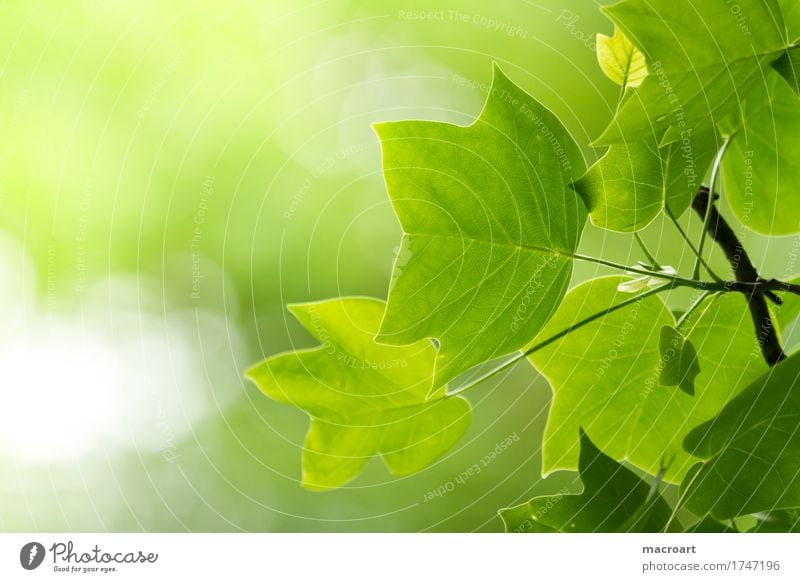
[[490, 225], [620, 60], [364, 399]]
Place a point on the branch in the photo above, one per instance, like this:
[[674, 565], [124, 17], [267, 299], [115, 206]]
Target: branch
[[755, 289]]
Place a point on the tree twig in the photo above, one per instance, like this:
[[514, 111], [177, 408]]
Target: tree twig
[[755, 289]]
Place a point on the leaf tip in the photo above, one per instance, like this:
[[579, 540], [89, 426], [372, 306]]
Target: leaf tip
[[499, 78], [251, 373], [379, 127]]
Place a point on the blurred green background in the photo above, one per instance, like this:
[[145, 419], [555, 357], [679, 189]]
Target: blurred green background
[[171, 174]]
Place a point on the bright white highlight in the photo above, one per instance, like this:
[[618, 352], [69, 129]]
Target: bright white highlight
[[113, 375]]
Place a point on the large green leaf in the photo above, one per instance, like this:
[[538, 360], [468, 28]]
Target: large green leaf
[[490, 224], [702, 57], [637, 177], [791, 17], [685, 35], [788, 67], [752, 448], [627, 188], [605, 376], [760, 169], [614, 499], [364, 399]]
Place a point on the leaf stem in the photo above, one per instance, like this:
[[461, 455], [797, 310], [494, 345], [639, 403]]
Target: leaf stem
[[681, 500], [761, 285], [707, 219], [747, 287], [747, 280], [676, 281], [692, 308], [686, 238], [650, 257], [554, 338]]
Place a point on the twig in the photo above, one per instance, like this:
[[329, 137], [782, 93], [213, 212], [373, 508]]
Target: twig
[[707, 216], [748, 282], [554, 338]]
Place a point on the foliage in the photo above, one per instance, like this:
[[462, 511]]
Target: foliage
[[477, 205], [613, 499], [750, 449], [493, 215], [364, 399]]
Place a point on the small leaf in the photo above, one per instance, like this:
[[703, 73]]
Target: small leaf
[[620, 60], [614, 499], [751, 450], [678, 359], [364, 399], [490, 227]]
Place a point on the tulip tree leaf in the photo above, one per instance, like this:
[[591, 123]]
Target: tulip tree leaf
[[760, 168], [620, 60], [490, 227], [627, 188], [605, 376], [679, 365], [751, 450], [614, 499], [364, 399], [702, 58]]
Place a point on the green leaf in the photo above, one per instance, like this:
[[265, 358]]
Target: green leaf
[[679, 365], [708, 525], [752, 450], [364, 399], [627, 188], [786, 314], [702, 57], [788, 67], [614, 499], [490, 227], [620, 60], [777, 522], [760, 169], [685, 35], [605, 376], [650, 112], [791, 17]]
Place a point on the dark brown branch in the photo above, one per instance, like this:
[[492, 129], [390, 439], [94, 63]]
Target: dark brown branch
[[765, 286], [755, 289]]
